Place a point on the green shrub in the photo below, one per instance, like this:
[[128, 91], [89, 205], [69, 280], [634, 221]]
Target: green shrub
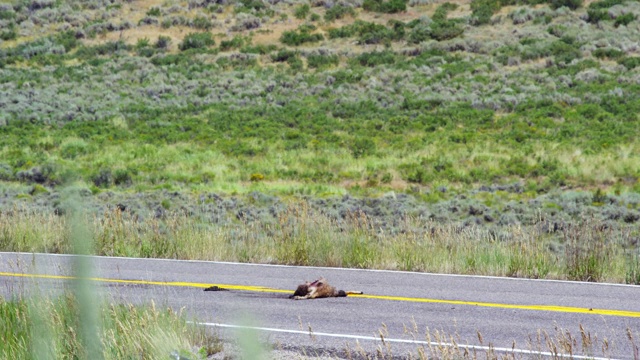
[[302, 11], [166, 204], [557, 30], [283, 55], [564, 52], [9, 34], [608, 53], [6, 173], [376, 58], [142, 43], [301, 36], [597, 15], [338, 11], [343, 32], [441, 12], [7, 14], [239, 61], [605, 4], [389, 6], [67, 39], [251, 5], [38, 189], [440, 29], [295, 63], [347, 77], [258, 49], [108, 48], [398, 27], [122, 177], [370, 33], [380, 34], [170, 59], [630, 62], [202, 23], [235, 43], [154, 11], [103, 178], [624, 19], [73, 149], [371, 5], [146, 52], [163, 42], [445, 30], [571, 4], [415, 173], [363, 146], [322, 61], [419, 33], [483, 10], [196, 41]]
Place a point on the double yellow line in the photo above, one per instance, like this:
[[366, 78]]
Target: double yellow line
[[554, 308]]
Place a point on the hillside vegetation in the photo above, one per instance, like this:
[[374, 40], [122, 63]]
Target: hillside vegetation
[[494, 124]]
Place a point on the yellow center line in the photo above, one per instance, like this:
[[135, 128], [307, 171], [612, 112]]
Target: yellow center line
[[149, 282], [554, 308]]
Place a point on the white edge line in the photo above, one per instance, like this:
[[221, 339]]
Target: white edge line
[[404, 341], [336, 269]]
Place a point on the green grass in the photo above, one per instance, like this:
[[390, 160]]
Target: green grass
[[186, 160], [75, 323], [299, 236], [42, 328]]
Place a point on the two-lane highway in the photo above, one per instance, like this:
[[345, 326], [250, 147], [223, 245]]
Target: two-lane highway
[[473, 311]]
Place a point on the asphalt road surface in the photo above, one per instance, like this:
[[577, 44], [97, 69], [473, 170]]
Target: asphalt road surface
[[527, 318]]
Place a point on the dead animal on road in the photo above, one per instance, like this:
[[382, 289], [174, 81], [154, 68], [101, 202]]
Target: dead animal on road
[[319, 289]]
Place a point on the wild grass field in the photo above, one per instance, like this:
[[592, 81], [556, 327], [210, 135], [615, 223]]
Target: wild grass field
[[487, 136], [51, 328]]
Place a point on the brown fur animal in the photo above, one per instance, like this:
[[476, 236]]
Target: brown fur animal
[[319, 289]]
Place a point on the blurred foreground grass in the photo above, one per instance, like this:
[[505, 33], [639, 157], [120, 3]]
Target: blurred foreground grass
[[78, 325], [50, 328]]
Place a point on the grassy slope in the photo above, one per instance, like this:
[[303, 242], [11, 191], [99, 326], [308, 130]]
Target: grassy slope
[[539, 97], [482, 106]]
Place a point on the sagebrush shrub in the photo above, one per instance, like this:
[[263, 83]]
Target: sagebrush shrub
[[162, 42], [571, 4], [6, 173], [103, 178], [322, 61], [301, 36], [283, 55], [154, 11], [302, 11], [202, 23], [246, 22], [338, 11], [122, 177], [483, 10], [597, 15], [389, 6], [196, 41], [376, 58], [624, 19]]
